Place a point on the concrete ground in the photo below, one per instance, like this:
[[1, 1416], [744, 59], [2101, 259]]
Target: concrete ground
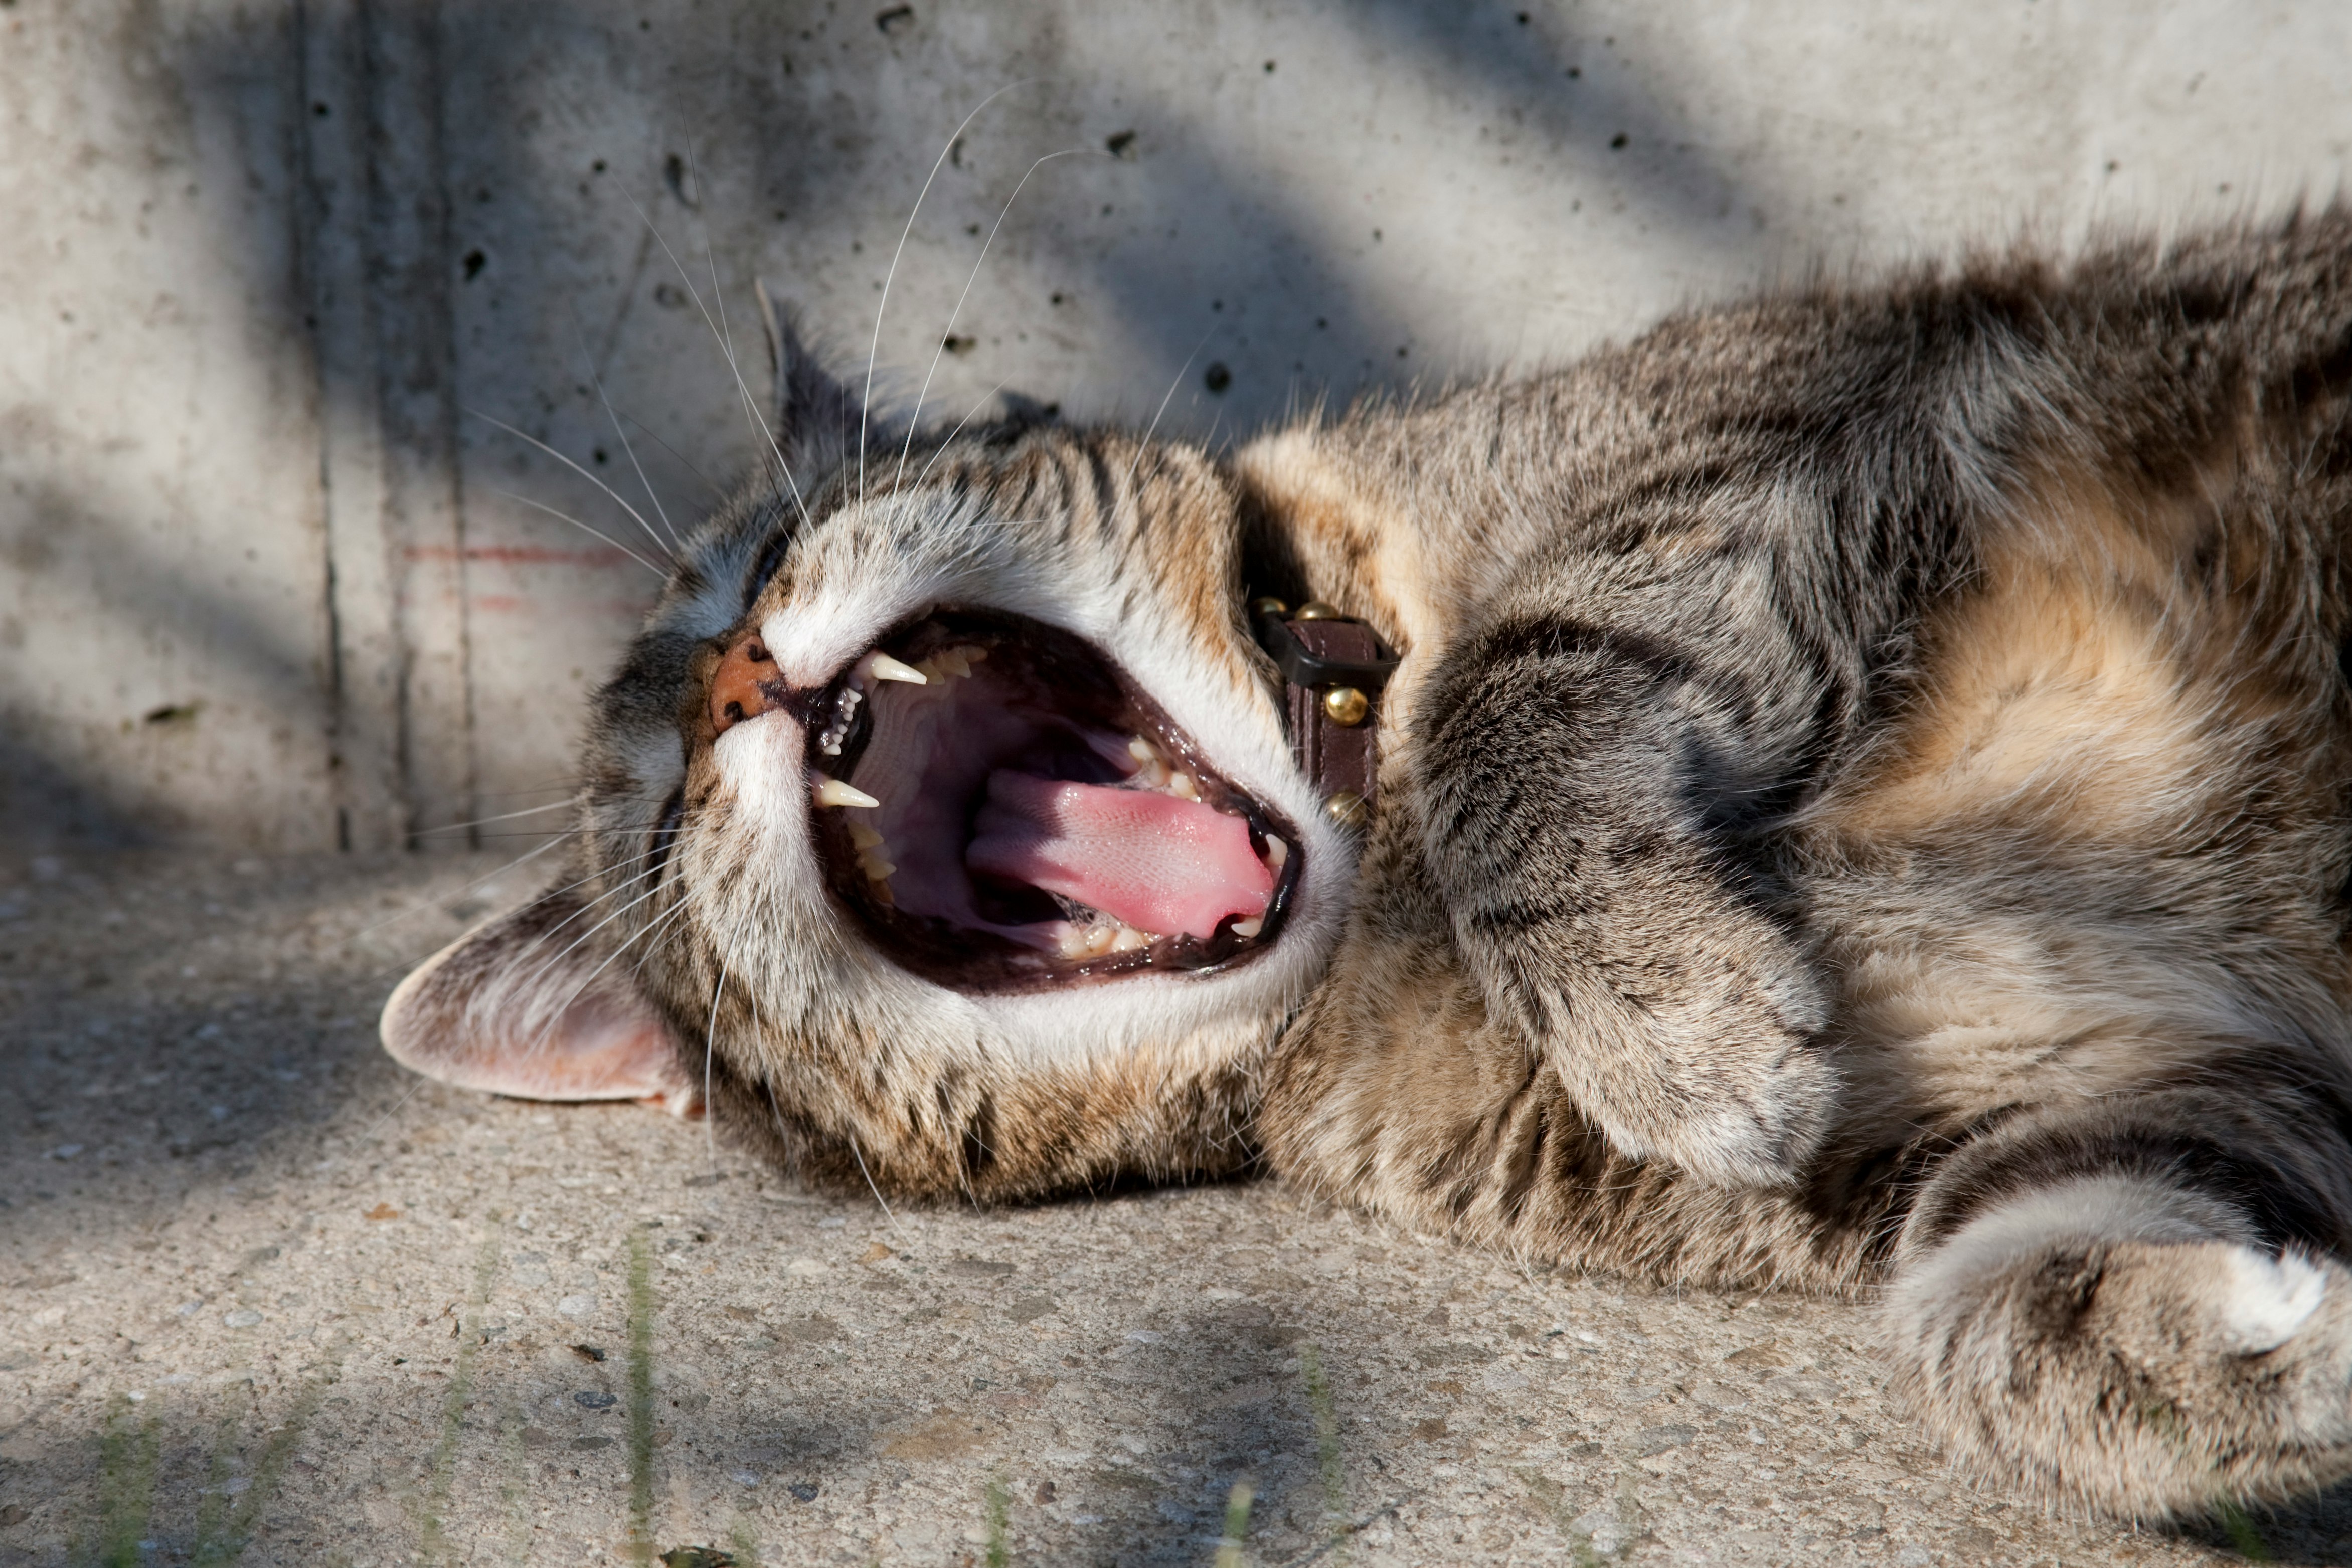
[[270, 1300]]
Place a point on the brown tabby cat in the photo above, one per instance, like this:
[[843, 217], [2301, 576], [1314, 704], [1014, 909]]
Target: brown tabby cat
[[1866, 805]]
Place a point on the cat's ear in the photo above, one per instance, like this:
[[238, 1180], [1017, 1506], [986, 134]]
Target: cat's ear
[[815, 419], [527, 1005]]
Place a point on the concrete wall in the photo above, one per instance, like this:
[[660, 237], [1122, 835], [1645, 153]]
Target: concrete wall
[[267, 579]]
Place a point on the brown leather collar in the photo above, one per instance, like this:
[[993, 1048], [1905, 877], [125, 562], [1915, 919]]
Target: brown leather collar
[[1334, 668]]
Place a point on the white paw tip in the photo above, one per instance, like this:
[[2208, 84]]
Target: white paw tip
[[2268, 1297]]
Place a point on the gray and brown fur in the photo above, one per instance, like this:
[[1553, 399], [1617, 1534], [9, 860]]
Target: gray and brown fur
[[1863, 809]]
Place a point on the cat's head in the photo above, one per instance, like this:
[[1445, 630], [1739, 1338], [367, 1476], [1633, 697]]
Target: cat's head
[[939, 822]]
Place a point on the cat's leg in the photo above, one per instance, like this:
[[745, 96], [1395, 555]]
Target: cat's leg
[[1585, 781], [2142, 1306]]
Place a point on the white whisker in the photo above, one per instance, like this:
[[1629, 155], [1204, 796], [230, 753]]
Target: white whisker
[[751, 405], [435, 903], [876, 1191], [915, 419], [952, 435], [584, 527], [710, 1049], [873, 349], [1181, 371], [502, 817], [584, 473], [596, 379], [717, 490]]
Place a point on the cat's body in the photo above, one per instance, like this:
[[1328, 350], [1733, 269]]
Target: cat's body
[[1867, 800]]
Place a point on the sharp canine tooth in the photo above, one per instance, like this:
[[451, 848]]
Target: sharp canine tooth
[[1276, 851], [1248, 927], [833, 792], [883, 667]]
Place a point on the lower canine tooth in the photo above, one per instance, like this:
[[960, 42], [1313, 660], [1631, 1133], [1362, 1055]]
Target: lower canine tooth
[[833, 792], [1248, 927]]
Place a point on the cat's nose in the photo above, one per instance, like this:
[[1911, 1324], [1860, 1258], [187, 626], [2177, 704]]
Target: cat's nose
[[746, 685]]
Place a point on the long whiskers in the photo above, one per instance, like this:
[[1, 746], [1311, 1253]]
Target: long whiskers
[[718, 491], [710, 1049], [596, 379], [1149, 430], [874, 349], [568, 463], [751, 405], [952, 435], [563, 805], [916, 419], [662, 573]]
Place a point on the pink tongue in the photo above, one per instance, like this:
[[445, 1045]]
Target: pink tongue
[[1156, 863]]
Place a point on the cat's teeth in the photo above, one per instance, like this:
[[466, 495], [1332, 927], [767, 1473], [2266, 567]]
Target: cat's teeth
[[1128, 939], [956, 662], [833, 792], [869, 846], [1248, 927], [1182, 786], [1276, 853], [880, 666], [1150, 762]]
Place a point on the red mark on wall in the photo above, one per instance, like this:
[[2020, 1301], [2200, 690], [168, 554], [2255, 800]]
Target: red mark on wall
[[524, 555]]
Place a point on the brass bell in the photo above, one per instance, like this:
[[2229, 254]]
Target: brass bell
[[1347, 810], [1315, 610], [1345, 706]]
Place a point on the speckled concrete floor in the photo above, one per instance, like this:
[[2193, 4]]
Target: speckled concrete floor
[[269, 1300]]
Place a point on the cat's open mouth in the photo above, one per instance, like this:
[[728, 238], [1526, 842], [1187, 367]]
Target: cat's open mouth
[[1004, 810]]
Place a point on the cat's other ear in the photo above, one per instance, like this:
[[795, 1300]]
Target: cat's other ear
[[814, 418], [527, 1005]]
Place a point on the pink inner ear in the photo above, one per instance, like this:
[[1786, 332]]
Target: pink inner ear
[[511, 1008]]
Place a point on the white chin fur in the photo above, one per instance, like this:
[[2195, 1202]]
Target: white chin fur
[[2268, 1299]]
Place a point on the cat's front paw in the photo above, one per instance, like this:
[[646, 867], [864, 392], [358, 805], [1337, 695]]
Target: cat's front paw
[[1717, 1067], [1743, 1111]]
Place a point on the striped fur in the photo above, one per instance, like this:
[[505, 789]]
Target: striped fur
[[1865, 810]]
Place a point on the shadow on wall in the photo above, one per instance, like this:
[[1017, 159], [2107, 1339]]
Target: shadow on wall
[[519, 211]]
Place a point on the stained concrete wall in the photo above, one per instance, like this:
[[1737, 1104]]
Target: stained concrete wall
[[270, 576]]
